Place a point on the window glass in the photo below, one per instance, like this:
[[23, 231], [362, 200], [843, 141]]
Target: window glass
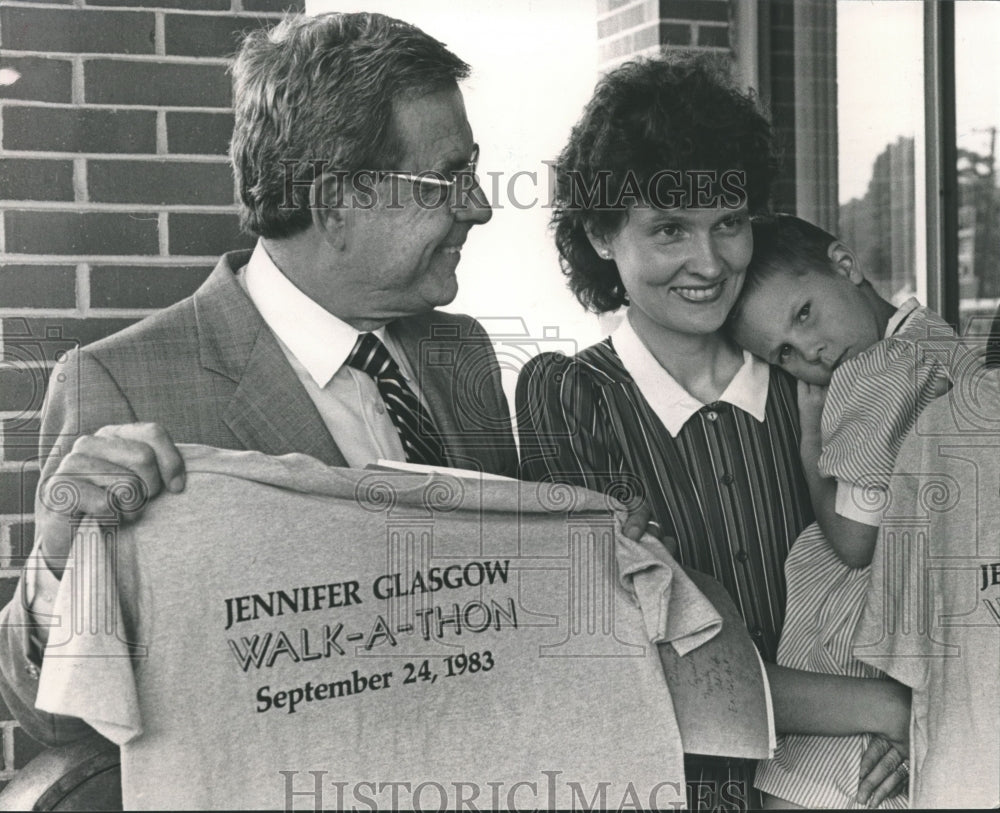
[[880, 121], [977, 118]]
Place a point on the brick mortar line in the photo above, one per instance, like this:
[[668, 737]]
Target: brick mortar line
[[83, 286], [694, 25], [198, 12], [80, 180], [607, 15], [113, 259], [161, 133], [73, 207], [112, 106], [163, 233], [159, 33], [656, 48], [699, 23], [123, 157], [158, 59], [40, 313], [77, 91], [634, 29]]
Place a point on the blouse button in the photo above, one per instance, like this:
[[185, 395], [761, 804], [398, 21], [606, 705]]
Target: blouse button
[[380, 407], [741, 555], [726, 479], [712, 416], [757, 632]]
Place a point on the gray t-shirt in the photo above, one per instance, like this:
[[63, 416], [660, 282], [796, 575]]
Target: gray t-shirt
[[285, 634], [932, 617]]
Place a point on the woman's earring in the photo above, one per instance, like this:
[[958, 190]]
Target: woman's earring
[[606, 254]]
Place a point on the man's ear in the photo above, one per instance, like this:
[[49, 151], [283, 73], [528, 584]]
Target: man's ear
[[330, 214], [845, 262]]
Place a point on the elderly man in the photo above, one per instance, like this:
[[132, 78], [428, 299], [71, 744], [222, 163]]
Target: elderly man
[[356, 170]]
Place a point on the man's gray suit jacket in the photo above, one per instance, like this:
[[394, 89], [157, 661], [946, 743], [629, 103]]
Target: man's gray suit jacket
[[210, 371]]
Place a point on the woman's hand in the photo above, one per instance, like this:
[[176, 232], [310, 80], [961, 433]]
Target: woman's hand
[[640, 521], [884, 772], [885, 768]]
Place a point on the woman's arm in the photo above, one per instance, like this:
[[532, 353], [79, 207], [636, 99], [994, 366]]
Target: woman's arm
[[853, 542], [836, 705]]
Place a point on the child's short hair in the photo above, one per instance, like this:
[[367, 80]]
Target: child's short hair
[[782, 243]]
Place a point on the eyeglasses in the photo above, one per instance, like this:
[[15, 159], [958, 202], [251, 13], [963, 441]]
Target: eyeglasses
[[464, 178]]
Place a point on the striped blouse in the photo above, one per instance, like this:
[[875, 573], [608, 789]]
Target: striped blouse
[[728, 487]]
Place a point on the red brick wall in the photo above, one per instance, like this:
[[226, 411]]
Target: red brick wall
[[115, 199], [626, 28]]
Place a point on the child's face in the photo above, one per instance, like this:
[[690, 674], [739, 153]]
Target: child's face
[[808, 324]]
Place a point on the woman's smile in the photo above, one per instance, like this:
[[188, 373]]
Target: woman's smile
[[700, 294]]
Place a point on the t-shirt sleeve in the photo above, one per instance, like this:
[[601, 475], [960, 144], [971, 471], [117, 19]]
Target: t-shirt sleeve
[[674, 610], [87, 671], [873, 403]]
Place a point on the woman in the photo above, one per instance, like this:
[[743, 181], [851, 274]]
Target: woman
[[654, 194]]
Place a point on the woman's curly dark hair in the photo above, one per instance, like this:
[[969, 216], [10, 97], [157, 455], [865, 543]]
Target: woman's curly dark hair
[[649, 115]]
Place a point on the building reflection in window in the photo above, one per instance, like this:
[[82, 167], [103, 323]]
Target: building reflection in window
[[977, 118], [880, 119]]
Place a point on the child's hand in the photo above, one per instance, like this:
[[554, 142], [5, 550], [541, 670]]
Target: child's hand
[[811, 399]]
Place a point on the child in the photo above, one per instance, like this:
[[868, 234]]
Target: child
[[806, 307]]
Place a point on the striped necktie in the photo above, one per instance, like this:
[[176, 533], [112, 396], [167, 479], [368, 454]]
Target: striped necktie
[[413, 423]]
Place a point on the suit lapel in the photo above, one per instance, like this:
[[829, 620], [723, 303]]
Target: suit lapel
[[269, 410]]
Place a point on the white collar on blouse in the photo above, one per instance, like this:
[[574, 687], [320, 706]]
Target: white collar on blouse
[[901, 315], [319, 340], [673, 404]]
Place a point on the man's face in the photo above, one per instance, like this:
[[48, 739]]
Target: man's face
[[404, 250]]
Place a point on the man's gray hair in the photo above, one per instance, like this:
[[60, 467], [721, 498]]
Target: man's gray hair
[[318, 91]]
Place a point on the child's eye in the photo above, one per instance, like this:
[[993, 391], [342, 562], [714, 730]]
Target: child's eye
[[803, 313], [784, 354]]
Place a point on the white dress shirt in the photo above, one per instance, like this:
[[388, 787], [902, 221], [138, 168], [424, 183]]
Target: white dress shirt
[[316, 344], [673, 404]]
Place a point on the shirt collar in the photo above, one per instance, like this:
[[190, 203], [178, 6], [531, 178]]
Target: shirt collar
[[319, 340], [900, 316], [673, 404]]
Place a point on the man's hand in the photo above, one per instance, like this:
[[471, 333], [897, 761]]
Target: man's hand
[[108, 475], [885, 771]]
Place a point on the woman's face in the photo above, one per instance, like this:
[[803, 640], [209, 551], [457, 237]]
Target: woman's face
[[682, 268]]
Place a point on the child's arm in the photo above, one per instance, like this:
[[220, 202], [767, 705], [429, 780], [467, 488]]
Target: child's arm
[[853, 542]]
